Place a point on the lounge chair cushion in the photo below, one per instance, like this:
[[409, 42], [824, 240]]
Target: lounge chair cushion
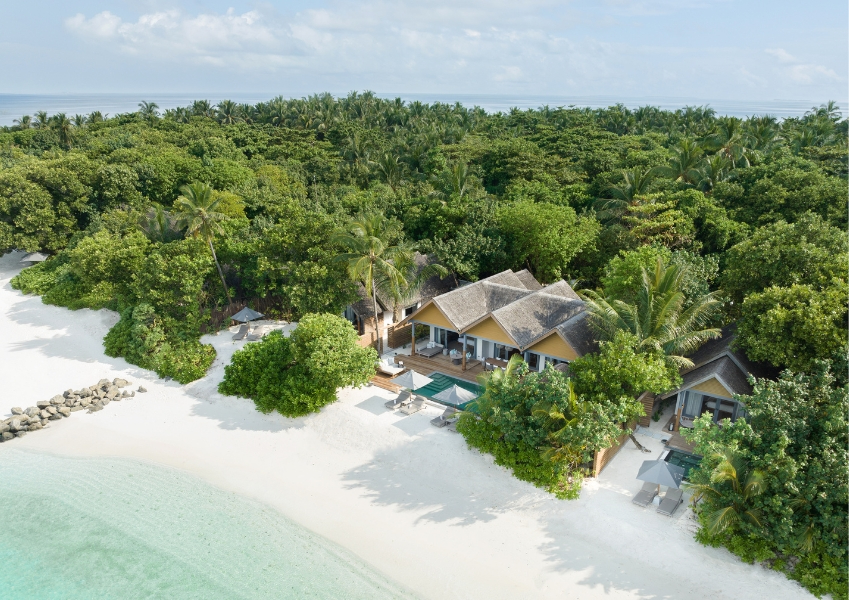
[[645, 495], [413, 407], [671, 500], [403, 398]]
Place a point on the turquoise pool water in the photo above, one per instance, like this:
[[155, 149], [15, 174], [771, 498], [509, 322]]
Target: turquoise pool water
[[685, 460], [106, 528]]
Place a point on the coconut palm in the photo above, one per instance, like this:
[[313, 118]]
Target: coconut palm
[[730, 140], [41, 120], [228, 112], [733, 485], [64, 128], [24, 122], [683, 166], [97, 117], [390, 167], [635, 182], [160, 226], [197, 211], [411, 278], [712, 171], [79, 121], [149, 111], [371, 257], [662, 318]]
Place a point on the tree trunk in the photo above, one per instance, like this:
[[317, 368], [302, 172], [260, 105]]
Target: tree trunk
[[220, 273], [376, 322]]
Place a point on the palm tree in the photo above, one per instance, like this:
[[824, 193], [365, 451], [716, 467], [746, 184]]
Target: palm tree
[[410, 280], [732, 485], [149, 111], [682, 167], [662, 318], [79, 121], [730, 140], [97, 117], [713, 170], [160, 226], [371, 257], [390, 167], [634, 183], [41, 120], [64, 128], [197, 211], [493, 380], [228, 112], [24, 122]]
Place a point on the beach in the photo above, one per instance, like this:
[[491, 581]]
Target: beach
[[410, 500]]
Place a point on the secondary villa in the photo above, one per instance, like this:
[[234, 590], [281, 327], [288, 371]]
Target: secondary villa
[[718, 373], [479, 326]]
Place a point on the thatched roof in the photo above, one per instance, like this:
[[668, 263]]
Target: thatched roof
[[717, 358], [525, 309]]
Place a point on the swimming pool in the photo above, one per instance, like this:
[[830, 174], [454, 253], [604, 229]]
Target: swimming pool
[[683, 459]]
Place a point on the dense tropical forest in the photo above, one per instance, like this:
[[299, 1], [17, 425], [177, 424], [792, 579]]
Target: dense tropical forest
[[675, 222]]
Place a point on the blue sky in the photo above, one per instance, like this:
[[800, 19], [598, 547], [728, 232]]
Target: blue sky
[[651, 48]]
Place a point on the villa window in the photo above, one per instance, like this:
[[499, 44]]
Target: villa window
[[501, 352], [697, 404], [440, 336], [532, 358], [409, 310]]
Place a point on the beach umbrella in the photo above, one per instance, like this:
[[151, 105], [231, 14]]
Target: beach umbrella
[[411, 380], [661, 473], [34, 257], [246, 314], [455, 395]]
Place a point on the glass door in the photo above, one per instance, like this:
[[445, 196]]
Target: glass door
[[725, 410]]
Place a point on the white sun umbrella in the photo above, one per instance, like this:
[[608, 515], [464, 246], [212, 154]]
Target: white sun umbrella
[[661, 473], [455, 396], [34, 257], [411, 380]]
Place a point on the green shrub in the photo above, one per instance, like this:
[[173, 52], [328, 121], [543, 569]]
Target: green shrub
[[526, 462], [144, 339], [298, 375]]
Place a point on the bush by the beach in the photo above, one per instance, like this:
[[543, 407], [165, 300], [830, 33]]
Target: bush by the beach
[[142, 339], [300, 374]]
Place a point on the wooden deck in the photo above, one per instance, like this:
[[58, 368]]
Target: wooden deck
[[676, 440], [443, 364]]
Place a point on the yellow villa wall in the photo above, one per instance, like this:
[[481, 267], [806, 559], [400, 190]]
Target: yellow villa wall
[[555, 346], [490, 330], [431, 315], [712, 386]]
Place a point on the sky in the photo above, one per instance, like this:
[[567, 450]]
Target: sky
[[728, 49]]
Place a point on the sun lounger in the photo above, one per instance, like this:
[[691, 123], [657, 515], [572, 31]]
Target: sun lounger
[[430, 352], [671, 500], [403, 398], [445, 418], [389, 368], [413, 407], [645, 495], [243, 331]]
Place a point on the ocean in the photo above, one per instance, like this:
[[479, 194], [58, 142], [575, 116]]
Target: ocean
[[113, 528], [13, 106]]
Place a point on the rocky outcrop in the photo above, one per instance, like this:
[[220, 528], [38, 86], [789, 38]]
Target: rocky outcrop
[[94, 398]]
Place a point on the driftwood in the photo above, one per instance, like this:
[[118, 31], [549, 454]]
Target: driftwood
[[639, 446]]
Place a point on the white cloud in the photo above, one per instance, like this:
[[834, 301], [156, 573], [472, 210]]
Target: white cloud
[[806, 74], [781, 54]]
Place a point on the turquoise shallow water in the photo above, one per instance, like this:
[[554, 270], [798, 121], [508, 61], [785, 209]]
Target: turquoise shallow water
[[108, 528]]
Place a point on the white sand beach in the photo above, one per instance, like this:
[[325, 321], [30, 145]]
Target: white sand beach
[[409, 499]]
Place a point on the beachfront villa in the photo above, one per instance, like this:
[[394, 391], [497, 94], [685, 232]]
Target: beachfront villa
[[479, 326], [719, 372]]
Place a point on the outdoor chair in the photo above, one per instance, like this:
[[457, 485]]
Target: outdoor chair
[[645, 495], [403, 398], [389, 367], [431, 352], [445, 418], [413, 407], [243, 331], [671, 500]]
